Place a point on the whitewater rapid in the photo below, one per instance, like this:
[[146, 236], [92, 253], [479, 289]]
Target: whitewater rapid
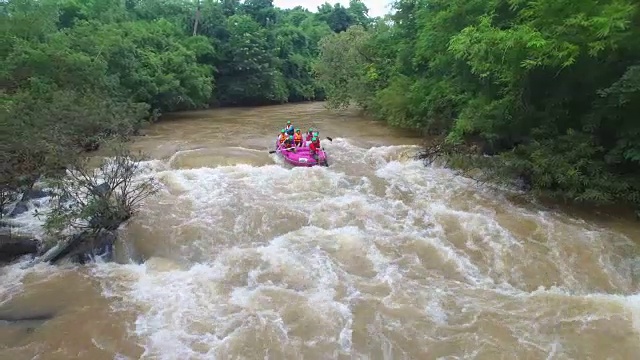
[[375, 257]]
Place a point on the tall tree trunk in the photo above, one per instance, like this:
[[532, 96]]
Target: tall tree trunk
[[195, 23]]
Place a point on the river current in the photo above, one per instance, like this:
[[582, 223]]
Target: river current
[[374, 257]]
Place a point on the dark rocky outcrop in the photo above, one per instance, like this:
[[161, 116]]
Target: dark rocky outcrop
[[33, 194], [14, 246], [83, 247]]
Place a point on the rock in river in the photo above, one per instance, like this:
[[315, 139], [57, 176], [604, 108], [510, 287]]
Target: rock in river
[[14, 246]]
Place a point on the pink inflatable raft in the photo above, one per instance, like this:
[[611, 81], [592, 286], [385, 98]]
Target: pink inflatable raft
[[302, 157]]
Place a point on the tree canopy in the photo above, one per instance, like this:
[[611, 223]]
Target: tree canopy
[[75, 71], [550, 86]]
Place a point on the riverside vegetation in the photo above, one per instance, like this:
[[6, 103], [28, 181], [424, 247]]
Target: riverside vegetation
[[550, 88], [77, 73]]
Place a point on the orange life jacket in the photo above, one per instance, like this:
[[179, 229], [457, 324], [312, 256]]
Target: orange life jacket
[[282, 138], [297, 137]]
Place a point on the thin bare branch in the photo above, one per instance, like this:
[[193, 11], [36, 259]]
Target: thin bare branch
[[93, 198]]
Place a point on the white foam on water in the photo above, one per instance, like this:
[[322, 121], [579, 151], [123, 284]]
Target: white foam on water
[[11, 283], [289, 257], [30, 222], [13, 277], [351, 239]]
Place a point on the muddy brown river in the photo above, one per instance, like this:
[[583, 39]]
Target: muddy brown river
[[374, 257]]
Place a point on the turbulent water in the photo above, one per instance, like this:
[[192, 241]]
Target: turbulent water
[[375, 257]]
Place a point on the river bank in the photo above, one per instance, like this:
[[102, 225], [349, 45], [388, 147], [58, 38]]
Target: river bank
[[239, 255], [239, 125]]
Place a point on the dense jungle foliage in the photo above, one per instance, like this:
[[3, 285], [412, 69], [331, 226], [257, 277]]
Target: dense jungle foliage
[[551, 87], [76, 71]]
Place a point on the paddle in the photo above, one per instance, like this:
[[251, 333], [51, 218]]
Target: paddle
[[330, 139], [279, 149], [276, 150], [326, 163]]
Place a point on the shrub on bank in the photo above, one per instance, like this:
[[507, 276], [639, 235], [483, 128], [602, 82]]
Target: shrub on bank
[[551, 89]]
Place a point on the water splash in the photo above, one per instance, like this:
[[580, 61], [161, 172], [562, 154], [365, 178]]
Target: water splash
[[373, 257]]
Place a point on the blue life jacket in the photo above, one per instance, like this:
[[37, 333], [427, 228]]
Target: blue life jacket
[[290, 130]]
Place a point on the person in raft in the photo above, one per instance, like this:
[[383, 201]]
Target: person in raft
[[297, 138], [289, 145], [316, 134], [309, 135], [289, 129], [282, 137], [314, 148]]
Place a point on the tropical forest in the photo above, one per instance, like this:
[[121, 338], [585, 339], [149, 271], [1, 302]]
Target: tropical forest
[[544, 91], [282, 179]]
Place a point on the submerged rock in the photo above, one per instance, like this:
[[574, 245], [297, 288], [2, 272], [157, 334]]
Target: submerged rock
[[27, 322]]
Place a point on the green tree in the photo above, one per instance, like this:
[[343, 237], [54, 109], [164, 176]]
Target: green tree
[[77, 72], [250, 74], [343, 70], [550, 87]]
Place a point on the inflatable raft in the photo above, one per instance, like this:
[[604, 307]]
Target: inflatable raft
[[302, 156]]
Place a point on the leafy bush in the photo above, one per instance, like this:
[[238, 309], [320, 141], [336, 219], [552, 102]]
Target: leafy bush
[[99, 197], [551, 87]]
